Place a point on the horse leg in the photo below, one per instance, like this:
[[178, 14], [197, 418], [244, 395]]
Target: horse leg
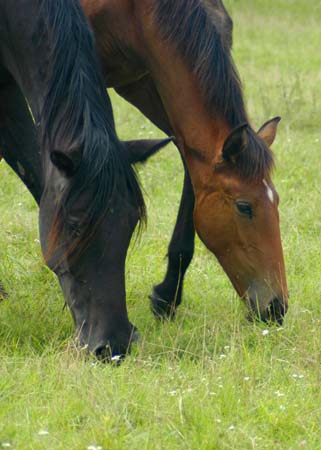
[[18, 142], [167, 295]]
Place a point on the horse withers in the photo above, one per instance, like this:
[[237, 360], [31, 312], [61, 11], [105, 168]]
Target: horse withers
[[90, 200], [172, 60]]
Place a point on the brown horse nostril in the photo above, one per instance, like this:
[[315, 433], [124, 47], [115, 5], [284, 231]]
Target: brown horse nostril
[[276, 311]]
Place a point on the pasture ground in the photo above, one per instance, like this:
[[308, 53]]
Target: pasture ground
[[210, 380]]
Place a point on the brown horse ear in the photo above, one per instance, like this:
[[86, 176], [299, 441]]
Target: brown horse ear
[[235, 143], [267, 132], [140, 150]]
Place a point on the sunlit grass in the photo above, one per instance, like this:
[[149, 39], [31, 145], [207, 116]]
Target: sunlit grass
[[210, 380]]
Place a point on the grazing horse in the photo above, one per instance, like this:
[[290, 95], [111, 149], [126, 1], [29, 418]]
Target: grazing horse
[[172, 60], [90, 200]]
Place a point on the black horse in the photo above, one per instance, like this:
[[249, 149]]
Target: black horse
[[90, 200]]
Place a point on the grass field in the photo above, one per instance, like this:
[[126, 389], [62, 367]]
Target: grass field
[[210, 380]]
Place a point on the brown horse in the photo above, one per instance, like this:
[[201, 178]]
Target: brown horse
[[172, 60]]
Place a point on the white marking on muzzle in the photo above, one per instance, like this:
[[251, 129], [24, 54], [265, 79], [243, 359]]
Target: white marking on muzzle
[[269, 191]]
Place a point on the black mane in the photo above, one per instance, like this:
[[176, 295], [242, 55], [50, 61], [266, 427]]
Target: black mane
[[77, 114], [201, 31]]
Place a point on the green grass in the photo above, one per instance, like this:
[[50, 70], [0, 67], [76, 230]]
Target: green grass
[[210, 380]]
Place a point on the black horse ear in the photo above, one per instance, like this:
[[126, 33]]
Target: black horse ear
[[66, 163], [235, 143], [139, 151], [267, 132]]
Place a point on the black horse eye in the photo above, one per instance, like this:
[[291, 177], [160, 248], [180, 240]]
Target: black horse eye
[[245, 208]]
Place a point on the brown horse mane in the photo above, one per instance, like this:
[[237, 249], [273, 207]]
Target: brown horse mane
[[201, 31]]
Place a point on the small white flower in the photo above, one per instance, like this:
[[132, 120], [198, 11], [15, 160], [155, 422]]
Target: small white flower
[[94, 447], [301, 376], [222, 356], [231, 428], [246, 378], [279, 394], [227, 347], [43, 433], [6, 445], [218, 420], [265, 332]]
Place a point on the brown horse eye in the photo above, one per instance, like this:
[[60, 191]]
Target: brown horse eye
[[245, 208]]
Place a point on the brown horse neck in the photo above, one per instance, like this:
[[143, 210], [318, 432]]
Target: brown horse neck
[[130, 24], [200, 136]]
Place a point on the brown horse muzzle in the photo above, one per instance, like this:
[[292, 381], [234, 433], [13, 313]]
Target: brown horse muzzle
[[274, 313]]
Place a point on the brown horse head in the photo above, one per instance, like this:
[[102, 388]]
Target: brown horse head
[[185, 81], [237, 219]]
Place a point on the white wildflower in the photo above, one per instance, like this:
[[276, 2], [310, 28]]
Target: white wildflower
[[43, 433], [279, 394]]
